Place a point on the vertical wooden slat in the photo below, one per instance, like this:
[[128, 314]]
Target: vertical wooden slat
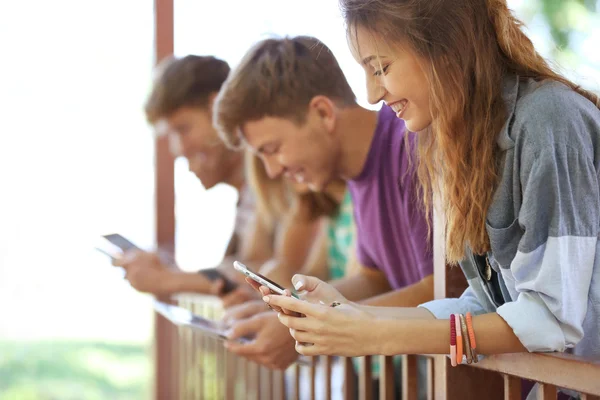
[[182, 345], [430, 379], [409, 377], [546, 392], [193, 384], [248, 380], [201, 350], [257, 382], [297, 382], [279, 385], [218, 368], [386, 383], [265, 381], [365, 379], [185, 362], [242, 370], [327, 361], [165, 334], [512, 388], [230, 375], [440, 291], [313, 377], [202, 358], [209, 369], [210, 362], [271, 383], [349, 388], [181, 348], [465, 382], [222, 377]]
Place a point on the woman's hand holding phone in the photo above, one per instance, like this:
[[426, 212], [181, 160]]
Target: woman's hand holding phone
[[329, 329], [265, 291]]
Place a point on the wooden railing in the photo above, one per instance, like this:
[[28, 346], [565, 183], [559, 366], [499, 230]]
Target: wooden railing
[[208, 371], [550, 371], [510, 376], [502, 376]]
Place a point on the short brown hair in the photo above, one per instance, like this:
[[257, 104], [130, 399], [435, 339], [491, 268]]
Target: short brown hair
[[279, 78], [184, 82]]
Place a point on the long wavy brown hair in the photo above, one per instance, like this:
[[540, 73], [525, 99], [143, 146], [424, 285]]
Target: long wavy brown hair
[[466, 48]]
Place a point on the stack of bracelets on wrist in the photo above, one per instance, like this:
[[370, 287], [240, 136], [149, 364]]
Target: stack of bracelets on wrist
[[462, 339]]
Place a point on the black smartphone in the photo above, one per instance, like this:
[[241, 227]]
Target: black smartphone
[[213, 274]]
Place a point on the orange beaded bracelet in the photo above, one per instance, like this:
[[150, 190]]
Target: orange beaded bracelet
[[472, 337]]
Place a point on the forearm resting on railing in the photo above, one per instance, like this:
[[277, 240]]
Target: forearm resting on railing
[[418, 332]]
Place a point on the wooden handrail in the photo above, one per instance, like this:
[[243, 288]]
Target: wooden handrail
[[550, 370], [562, 370]]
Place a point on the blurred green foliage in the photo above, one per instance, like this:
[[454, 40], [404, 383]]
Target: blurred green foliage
[[74, 370], [567, 16]]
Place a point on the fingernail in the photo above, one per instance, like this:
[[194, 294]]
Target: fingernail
[[278, 315], [266, 299], [298, 285]]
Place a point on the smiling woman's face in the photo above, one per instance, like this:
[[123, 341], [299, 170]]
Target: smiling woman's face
[[395, 76]]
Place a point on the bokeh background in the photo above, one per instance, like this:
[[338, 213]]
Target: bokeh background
[[76, 161]]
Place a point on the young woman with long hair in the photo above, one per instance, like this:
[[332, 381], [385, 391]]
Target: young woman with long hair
[[511, 150]]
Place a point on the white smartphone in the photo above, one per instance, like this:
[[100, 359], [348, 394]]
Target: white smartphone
[[183, 317], [263, 280], [106, 253]]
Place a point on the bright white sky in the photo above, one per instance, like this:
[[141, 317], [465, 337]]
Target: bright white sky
[[76, 156]]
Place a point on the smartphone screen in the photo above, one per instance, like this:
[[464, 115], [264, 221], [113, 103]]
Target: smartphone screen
[[120, 242]]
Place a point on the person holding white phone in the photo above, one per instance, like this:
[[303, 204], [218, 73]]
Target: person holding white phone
[[513, 149], [179, 106], [289, 102]]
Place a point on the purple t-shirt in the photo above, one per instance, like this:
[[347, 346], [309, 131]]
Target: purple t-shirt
[[390, 221]]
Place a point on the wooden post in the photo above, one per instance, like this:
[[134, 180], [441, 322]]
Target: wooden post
[[365, 379], [512, 388], [165, 334], [296, 369], [327, 364], [387, 389], [312, 370], [409, 377], [457, 382], [349, 379], [546, 392]]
